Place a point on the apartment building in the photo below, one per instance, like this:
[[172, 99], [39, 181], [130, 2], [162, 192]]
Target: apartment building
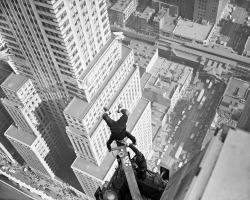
[[30, 116], [121, 10]]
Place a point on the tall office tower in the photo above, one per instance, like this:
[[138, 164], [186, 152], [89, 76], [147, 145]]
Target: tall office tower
[[120, 83], [209, 10], [186, 9], [29, 114], [7, 151], [53, 43], [33, 150], [65, 47]]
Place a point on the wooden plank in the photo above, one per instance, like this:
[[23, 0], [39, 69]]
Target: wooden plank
[[127, 167]]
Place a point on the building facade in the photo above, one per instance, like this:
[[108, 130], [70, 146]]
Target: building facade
[[121, 11], [33, 150], [89, 133], [53, 44], [209, 10], [30, 116], [66, 50]]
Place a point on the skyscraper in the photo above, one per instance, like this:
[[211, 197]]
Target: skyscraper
[[7, 151], [53, 43], [89, 133], [35, 131], [66, 49], [209, 10]]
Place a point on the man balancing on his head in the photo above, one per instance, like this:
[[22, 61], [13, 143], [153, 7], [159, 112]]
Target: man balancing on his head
[[118, 128]]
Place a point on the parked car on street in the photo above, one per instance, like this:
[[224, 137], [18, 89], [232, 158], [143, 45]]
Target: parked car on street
[[165, 148], [162, 154], [158, 161]]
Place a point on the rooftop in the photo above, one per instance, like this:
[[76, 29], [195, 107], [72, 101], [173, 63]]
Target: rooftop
[[147, 13], [136, 114], [166, 77], [169, 22], [166, 89], [121, 5], [229, 103], [170, 71], [160, 107], [160, 14], [14, 82], [157, 117], [214, 68], [143, 52], [237, 88], [78, 107], [20, 135], [92, 169], [10, 103], [192, 30]]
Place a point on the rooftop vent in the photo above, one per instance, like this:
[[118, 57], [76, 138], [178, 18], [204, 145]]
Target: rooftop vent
[[236, 91]]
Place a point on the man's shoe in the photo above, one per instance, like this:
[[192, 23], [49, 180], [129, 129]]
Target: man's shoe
[[106, 110], [119, 108]]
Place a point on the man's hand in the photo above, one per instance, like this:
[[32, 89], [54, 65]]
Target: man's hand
[[134, 165]]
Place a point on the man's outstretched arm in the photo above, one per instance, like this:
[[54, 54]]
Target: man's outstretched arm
[[121, 122], [110, 122]]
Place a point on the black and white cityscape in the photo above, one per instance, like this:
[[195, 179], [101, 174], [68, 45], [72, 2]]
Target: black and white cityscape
[[124, 99]]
